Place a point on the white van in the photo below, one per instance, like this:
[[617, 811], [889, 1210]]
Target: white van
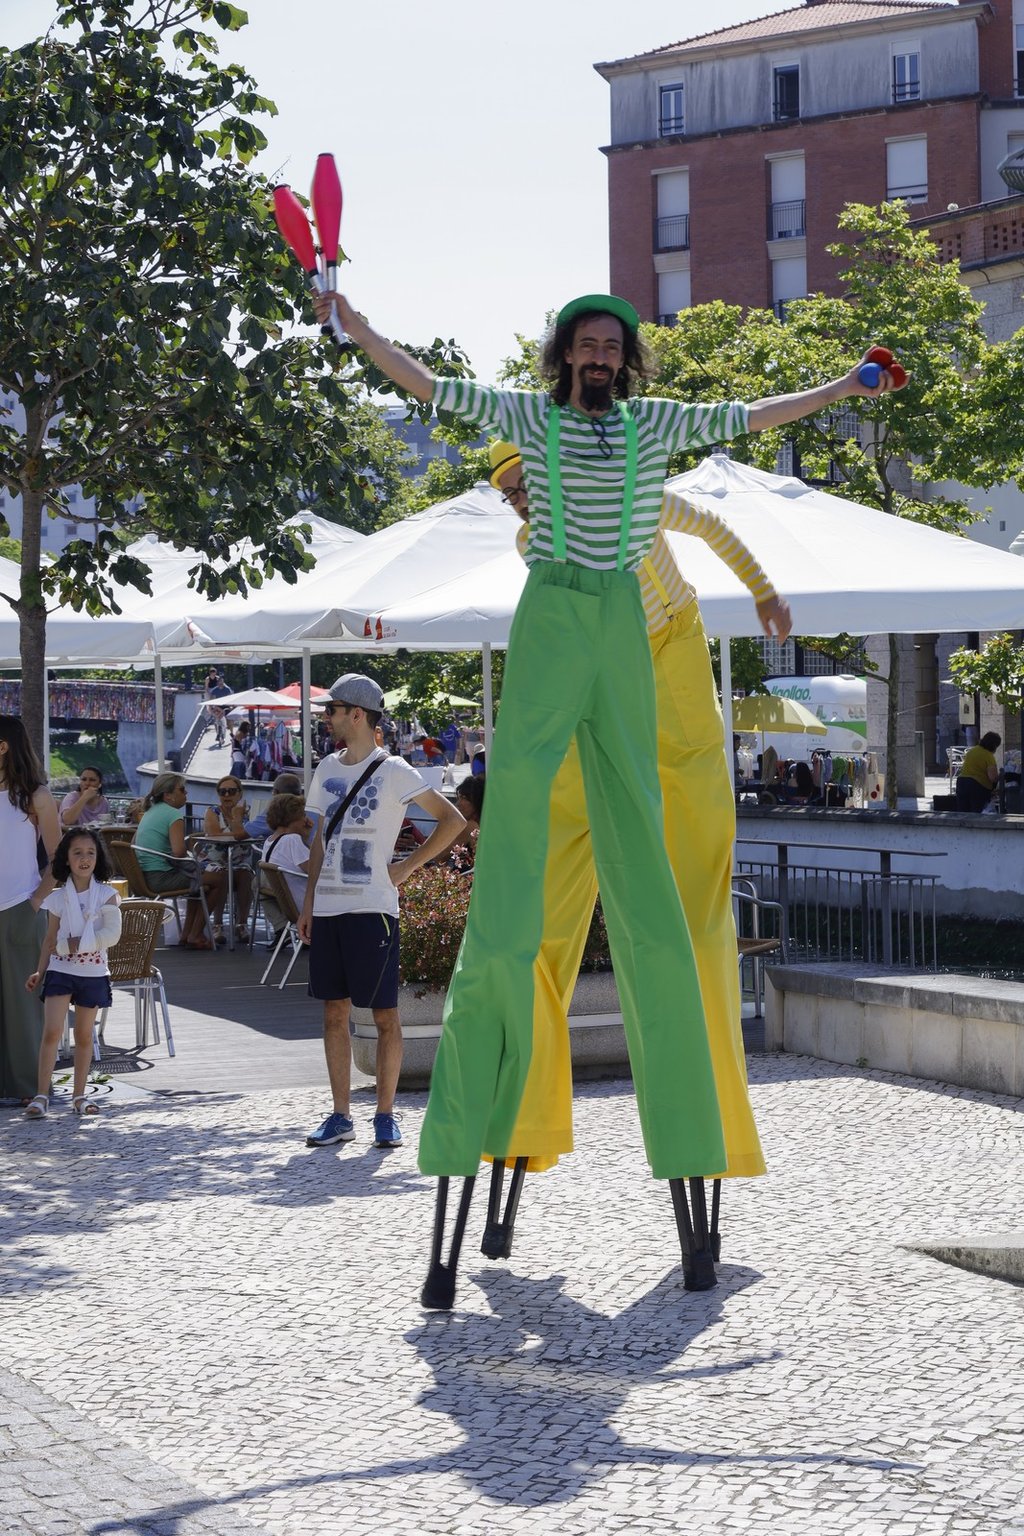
[[840, 703]]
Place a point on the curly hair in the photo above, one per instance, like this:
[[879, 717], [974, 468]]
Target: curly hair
[[62, 860], [284, 809], [637, 364], [23, 773]]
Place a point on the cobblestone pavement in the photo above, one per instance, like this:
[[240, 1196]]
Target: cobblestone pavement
[[207, 1328]]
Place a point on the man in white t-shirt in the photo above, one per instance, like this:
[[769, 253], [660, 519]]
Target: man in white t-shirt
[[350, 913]]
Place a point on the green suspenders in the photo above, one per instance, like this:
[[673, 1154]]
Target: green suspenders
[[555, 484]]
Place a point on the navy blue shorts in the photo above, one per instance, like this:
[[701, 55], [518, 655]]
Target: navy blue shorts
[[83, 991], [355, 955]]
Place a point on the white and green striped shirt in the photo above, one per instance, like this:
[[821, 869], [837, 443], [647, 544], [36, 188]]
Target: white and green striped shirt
[[592, 483]]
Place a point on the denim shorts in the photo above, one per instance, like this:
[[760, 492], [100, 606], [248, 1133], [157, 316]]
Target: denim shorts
[[355, 955], [83, 991]]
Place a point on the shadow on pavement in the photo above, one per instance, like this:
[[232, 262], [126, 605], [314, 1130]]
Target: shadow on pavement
[[542, 1359]]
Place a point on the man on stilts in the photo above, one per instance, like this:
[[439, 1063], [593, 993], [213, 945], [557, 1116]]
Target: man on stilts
[[579, 664]]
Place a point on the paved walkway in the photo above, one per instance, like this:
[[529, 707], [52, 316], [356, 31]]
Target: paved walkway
[[206, 1328]]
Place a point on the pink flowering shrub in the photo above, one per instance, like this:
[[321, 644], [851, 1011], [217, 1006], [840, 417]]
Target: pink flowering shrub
[[434, 905]]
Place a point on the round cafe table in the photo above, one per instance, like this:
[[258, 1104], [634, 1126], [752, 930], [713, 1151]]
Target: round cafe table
[[232, 847]]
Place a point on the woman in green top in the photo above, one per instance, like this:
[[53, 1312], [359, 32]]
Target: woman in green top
[[164, 856], [978, 774]]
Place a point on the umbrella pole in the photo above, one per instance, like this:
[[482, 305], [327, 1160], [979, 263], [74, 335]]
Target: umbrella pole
[[438, 1293], [725, 657], [485, 661], [307, 726], [158, 684]]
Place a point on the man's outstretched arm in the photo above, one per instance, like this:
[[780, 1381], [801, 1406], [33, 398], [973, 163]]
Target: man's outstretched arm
[[405, 371], [780, 409]]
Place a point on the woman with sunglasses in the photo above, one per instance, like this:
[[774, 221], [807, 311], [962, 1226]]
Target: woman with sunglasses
[[227, 819]]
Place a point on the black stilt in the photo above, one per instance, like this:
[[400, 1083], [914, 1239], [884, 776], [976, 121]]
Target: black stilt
[[497, 1240], [438, 1293], [694, 1237], [716, 1236]]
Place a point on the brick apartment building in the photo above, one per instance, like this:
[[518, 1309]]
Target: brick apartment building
[[732, 154]]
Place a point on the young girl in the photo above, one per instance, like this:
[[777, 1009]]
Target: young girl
[[84, 923]]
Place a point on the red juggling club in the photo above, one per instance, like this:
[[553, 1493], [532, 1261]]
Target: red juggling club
[[294, 226], [326, 195]]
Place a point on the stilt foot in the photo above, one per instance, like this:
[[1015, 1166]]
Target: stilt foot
[[500, 1228], [438, 1293], [694, 1237]]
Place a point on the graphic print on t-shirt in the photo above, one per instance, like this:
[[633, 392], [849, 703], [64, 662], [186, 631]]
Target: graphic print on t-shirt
[[355, 873]]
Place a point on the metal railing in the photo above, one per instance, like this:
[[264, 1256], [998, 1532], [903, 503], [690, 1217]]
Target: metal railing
[[672, 232], [883, 917], [669, 320], [189, 745], [788, 221]]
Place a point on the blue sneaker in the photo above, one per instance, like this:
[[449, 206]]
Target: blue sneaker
[[334, 1129], [386, 1132]]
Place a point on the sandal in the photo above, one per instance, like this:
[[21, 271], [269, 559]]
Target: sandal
[[82, 1104], [38, 1108], [200, 944], [242, 933]]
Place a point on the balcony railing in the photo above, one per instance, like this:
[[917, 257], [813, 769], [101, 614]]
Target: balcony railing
[[672, 233], [780, 308], [915, 194], [669, 320], [905, 90], [787, 221]]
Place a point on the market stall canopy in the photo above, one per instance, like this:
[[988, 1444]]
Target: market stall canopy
[[256, 699], [396, 699]]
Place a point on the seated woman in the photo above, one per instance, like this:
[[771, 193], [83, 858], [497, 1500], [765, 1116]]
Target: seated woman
[[979, 774], [227, 819], [160, 841], [469, 799], [800, 788], [286, 849], [85, 804]]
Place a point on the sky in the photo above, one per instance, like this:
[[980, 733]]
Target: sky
[[468, 143]]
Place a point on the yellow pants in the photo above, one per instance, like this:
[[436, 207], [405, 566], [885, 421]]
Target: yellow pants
[[700, 826]]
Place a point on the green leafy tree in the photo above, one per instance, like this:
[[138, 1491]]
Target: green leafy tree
[[146, 314], [997, 670]]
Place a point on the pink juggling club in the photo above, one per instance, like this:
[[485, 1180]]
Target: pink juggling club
[[294, 226]]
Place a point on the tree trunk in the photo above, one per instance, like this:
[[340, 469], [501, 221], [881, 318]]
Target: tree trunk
[[892, 717], [31, 611]]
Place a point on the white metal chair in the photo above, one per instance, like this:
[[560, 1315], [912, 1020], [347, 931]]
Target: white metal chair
[[131, 965], [274, 885], [753, 942]]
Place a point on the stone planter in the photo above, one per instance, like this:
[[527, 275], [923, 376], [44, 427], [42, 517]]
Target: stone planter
[[597, 1041]]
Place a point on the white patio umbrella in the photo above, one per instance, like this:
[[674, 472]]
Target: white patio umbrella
[[72, 639], [334, 602], [180, 613]]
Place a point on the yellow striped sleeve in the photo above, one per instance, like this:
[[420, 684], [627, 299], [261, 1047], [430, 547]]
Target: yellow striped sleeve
[[681, 516]]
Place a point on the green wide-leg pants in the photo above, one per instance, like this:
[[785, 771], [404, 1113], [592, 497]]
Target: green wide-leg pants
[[578, 663]]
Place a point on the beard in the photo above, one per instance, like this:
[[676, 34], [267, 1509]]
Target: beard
[[596, 389]]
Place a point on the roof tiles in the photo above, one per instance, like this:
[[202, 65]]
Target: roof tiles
[[810, 17]]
